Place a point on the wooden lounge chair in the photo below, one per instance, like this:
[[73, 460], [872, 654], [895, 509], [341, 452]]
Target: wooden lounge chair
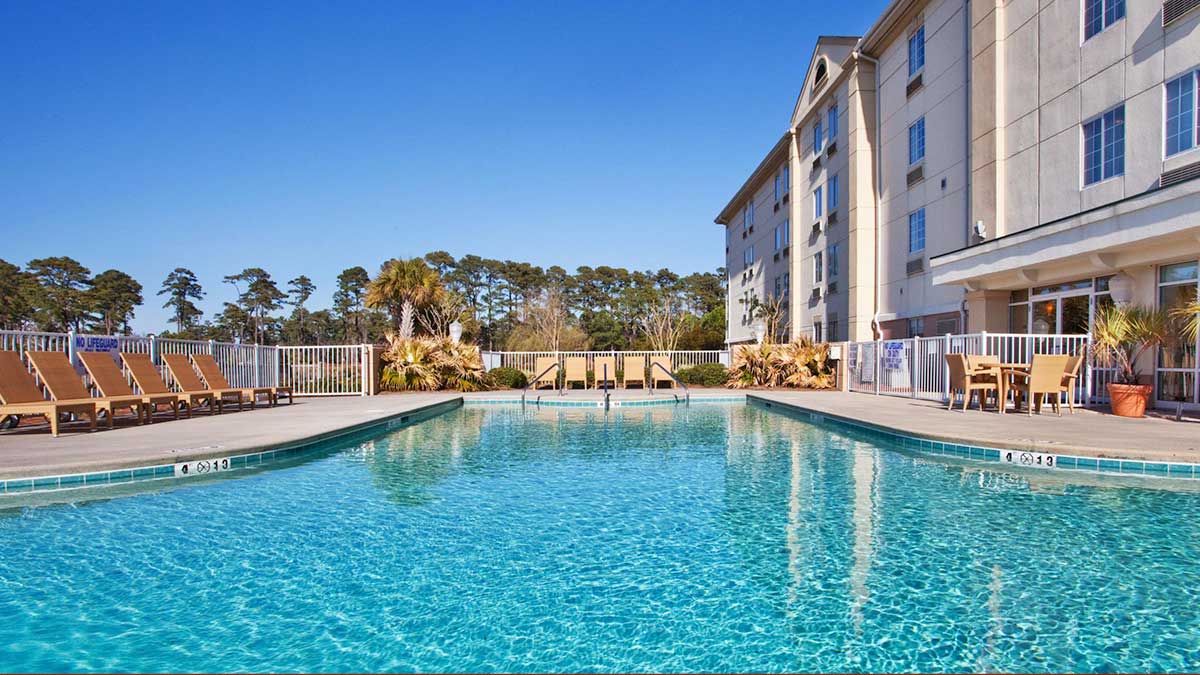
[[968, 381], [187, 380], [541, 375], [59, 378], [658, 375], [215, 379], [634, 370], [604, 369], [574, 370], [20, 396], [1069, 378], [110, 381], [147, 378], [1044, 378]]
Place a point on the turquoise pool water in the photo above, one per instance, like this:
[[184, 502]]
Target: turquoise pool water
[[714, 538]]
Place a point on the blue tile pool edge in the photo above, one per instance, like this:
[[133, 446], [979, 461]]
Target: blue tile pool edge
[[28, 485], [1008, 456], [634, 403]]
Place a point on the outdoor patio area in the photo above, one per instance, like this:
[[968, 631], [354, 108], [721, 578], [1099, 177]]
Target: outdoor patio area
[[1087, 432]]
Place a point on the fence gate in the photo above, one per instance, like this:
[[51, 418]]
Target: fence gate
[[326, 370]]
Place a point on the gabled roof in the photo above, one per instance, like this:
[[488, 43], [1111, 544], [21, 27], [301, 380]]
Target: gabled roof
[[830, 51]]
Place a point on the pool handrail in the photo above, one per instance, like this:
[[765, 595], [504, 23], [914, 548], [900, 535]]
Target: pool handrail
[[605, 374], [529, 384], [687, 395]]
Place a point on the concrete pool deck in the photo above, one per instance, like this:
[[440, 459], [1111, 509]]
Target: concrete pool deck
[[31, 451], [1087, 433]]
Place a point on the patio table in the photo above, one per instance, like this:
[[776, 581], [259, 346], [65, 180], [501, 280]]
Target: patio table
[[1006, 371]]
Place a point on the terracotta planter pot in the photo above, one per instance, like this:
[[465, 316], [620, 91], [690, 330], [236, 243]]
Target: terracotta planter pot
[[1129, 400]]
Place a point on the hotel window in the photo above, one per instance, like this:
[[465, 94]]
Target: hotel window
[[833, 192], [787, 283], [833, 261], [776, 187], [916, 327], [832, 122], [1181, 114], [778, 237], [818, 268], [831, 333], [1177, 368], [778, 287], [748, 216], [1104, 146], [787, 179], [1100, 14], [748, 256], [916, 231], [818, 331], [818, 202], [786, 227], [916, 142], [818, 138], [916, 51]]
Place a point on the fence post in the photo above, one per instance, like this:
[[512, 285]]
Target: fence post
[[71, 346], [257, 369], [878, 364], [946, 369], [915, 365], [154, 349], [364, 361], [212, 348], [983, 345], [1087, 354]]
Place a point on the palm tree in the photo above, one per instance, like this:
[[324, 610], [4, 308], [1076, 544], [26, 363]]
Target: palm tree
[[402, 288]]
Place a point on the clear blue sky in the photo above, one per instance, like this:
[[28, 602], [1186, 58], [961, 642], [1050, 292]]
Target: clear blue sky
[[305, 138]]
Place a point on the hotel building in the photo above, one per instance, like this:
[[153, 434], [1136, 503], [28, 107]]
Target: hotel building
[[1020, 159]]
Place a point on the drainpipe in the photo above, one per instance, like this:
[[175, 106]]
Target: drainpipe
[[962, 308], [878, 171]]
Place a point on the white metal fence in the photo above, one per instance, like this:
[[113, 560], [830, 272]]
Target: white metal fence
[[325, 370], [527, 361], [309, 370], [917, 368]]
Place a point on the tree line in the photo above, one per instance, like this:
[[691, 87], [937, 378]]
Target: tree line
[[500, 304]]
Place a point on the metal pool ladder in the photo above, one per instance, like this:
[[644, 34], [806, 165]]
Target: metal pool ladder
[[687, 395], [525, 391]]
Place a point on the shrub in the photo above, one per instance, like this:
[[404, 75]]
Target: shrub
[[705, 375], [508, 378], [802, 364], [420, 364]]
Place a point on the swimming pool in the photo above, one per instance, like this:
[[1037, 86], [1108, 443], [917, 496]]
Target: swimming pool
[[709, 538]]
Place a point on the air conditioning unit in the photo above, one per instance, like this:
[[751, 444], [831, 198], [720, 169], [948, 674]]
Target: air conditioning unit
[[816, 163], [914, 85], [916, 175], [831, 150], [787, 198], [816, 228], [915, 266], [1181, 174], [816, 293], [832, 217], [776, 257], [832, 288], [776, 207], [1173, 9], [786, 251]]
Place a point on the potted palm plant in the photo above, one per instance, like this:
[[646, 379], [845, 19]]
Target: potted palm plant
[[1121, 335]]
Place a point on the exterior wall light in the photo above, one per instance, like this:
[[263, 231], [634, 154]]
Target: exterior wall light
[[456, 331], [1120, 287], [759, 331]]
